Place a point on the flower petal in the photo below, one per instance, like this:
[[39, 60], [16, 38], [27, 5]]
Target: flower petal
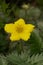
[[20, 22], [14, 37], [29, 27], [9, 28], [25, 36]]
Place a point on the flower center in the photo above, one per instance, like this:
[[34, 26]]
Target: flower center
[[19, 29]]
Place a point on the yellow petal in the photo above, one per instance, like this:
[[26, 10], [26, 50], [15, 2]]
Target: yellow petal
[[14, 37], [25, 36], [9, 28], [29, 27], [20, 22]]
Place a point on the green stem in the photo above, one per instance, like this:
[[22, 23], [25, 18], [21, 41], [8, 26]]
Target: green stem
[[26, 14], [20, 47]]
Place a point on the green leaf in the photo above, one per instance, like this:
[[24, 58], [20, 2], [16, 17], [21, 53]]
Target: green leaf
[[2, 60], [24, 59], [35, 42]]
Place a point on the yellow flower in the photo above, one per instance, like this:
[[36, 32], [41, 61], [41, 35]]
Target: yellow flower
[[19, 30]]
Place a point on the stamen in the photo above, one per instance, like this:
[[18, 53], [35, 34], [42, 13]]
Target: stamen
[[19, 29]]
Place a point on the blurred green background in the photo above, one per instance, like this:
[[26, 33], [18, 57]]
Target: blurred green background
[[10, 11]]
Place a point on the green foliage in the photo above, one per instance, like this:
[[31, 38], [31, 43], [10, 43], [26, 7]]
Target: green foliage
[[31, 13], [24, 59], [2, 60], [40, 2], [35, 43]]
